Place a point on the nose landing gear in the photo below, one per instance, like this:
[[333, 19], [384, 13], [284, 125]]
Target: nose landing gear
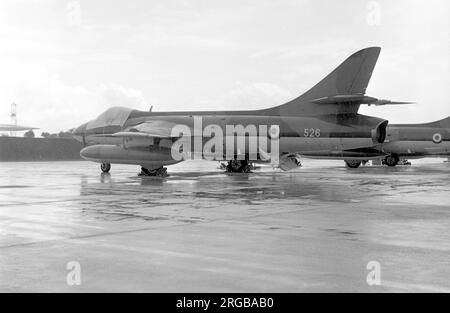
[[105, 167]]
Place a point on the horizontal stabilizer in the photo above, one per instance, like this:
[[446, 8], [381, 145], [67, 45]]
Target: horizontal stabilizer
[[355, 99], [388, 102], [342, 99]]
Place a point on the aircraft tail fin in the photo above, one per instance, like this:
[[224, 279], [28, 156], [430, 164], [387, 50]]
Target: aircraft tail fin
[[350, 78], [445, 123]]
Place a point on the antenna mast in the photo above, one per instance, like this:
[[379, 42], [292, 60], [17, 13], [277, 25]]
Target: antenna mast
[[13, 117]]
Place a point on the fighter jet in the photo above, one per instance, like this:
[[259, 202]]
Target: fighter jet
[[322, 122], [413, 141]]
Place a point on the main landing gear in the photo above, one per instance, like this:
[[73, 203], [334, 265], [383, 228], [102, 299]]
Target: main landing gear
[[157, 172], [105, 167], [238, 166], [391, 160], [160, 172]]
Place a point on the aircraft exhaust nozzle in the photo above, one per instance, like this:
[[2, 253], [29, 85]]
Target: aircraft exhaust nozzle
[[379, 133]]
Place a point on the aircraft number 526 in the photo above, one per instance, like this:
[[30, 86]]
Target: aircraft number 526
[[312, 132]]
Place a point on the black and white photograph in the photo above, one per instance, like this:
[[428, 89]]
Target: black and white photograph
[[224, 152]]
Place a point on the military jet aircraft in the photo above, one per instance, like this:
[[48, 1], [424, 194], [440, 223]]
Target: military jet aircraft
[[413, 141], [322, 122]]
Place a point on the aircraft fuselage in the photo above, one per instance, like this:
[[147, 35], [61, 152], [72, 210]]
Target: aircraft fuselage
[[418, 140], [324, 136]]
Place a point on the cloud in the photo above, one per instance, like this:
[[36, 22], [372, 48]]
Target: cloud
[[116, 95], [50, 104], [187, 55], [168, 36], [255, 96]]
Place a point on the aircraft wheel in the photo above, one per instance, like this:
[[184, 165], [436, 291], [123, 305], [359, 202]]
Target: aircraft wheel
[[352, 163], [392, 160], [239, 166], [247, 168], [105, 167], [159, 172], [235, 165]]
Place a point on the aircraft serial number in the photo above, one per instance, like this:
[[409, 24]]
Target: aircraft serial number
[[312, 132]]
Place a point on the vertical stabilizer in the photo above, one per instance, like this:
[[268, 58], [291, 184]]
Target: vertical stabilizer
[[349, 78]]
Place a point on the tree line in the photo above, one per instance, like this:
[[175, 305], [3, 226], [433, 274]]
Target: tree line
[[61, 134]]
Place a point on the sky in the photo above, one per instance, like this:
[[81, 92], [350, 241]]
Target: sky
[[65, 62]]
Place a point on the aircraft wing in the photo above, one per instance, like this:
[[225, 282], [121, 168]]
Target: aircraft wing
[[148, 133]]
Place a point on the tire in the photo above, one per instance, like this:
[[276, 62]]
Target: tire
[[236, 165], [391, 160], [352, 163], [105, 167]]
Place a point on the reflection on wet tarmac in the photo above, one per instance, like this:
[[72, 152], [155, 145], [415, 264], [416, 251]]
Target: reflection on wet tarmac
[[313, 229]]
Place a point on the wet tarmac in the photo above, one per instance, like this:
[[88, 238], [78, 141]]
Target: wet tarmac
[[201, 230]]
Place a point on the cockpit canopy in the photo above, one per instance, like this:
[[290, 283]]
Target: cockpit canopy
[[115, 116]]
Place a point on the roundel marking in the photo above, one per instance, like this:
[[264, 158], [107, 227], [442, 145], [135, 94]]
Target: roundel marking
[[274, 131], [437, 138]]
